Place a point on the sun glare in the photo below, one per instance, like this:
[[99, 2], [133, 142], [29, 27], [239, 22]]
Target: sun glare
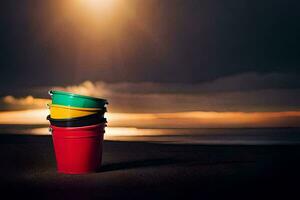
[[167, 120]]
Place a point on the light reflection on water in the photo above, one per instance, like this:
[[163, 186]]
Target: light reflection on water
[[184, 136]]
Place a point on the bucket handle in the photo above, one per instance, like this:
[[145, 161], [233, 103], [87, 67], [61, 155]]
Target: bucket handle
[[50, 130], [50, 92]]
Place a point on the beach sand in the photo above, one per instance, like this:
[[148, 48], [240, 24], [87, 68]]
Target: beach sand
[[136, 170]]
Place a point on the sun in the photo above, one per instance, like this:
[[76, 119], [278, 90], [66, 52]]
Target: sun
[[98, 6]]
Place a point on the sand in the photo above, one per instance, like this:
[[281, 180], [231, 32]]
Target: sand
[[136, 170]]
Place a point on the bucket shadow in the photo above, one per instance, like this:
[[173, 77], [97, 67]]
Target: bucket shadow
[[137, 164]]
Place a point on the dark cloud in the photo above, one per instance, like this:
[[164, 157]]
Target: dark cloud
[[240, 82], [176, 41], [245, 93]]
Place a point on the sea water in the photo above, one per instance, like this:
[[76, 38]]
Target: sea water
[[210, 136]]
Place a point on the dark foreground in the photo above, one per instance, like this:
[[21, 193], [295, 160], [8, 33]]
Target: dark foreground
[[152, 171]]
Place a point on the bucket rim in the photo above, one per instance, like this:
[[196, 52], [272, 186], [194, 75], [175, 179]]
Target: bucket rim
[[87, 117], [78, 128], [104, 109], [53, 92], [80, 136]]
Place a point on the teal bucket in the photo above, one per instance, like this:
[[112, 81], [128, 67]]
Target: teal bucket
[[76, 100]]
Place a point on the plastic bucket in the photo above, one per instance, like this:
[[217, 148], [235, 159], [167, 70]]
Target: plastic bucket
[[78, 121], [76, 100], [64, 112], [78, 150]]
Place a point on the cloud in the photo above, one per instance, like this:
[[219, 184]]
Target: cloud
[[250, 82], [29, 102], [244, 92], [88, 88], [237, 83]]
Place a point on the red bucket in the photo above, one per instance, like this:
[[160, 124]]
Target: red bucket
[[78, 150]]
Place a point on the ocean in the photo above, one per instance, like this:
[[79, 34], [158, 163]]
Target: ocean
[[207, 136]]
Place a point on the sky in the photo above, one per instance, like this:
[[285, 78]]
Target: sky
[[199, 59]]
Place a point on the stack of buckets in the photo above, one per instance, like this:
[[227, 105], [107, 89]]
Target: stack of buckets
[[77, 126]]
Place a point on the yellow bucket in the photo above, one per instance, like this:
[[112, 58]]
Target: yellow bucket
[[66, 112]]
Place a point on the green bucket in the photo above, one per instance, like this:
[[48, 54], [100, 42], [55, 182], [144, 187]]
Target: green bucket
[[76, 100]]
